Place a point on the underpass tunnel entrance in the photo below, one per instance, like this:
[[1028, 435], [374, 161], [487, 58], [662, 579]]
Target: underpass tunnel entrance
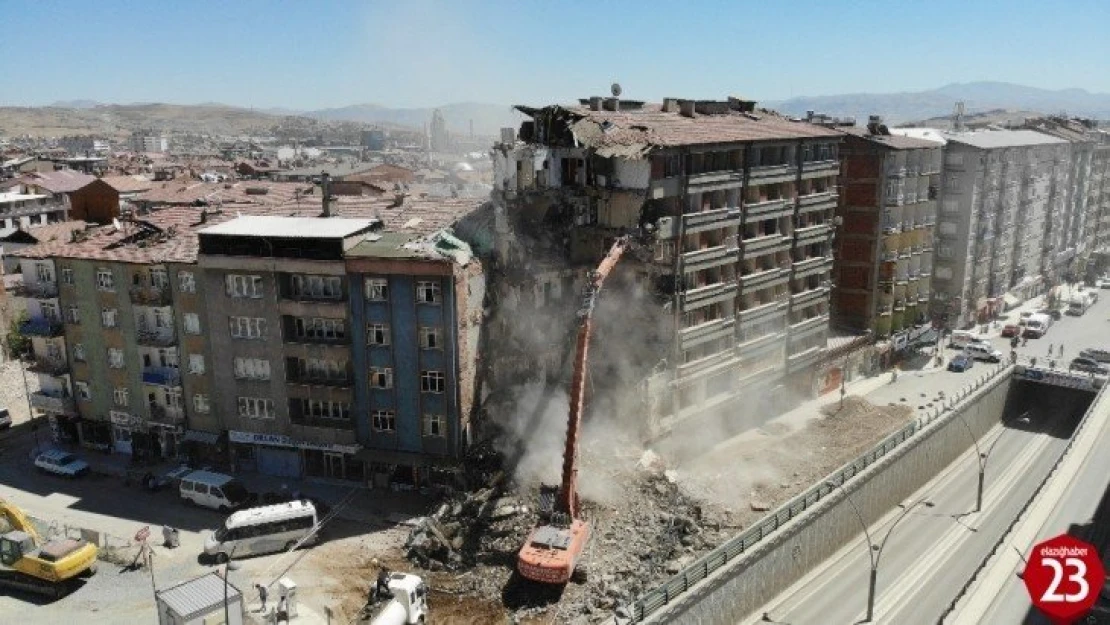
[[1045, 408]]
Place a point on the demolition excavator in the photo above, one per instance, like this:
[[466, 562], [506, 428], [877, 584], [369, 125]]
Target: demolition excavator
[[554, 548], [43, 567]]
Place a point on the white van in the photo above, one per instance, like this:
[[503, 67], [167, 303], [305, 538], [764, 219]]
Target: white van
[[963, 338], [982, 351], [263, 530], [213, 490], [1037, 325]]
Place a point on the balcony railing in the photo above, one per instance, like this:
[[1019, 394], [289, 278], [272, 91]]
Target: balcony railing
[[708, 292], [810, 266], [50, 366], [150, 295], [37, 290], [711, 220], [817, 198], [157, 338], [764, 243], [162, 376], [42, 326], [309, 380], [763, 278], [706, 256], [812, 234], [805, 298], [52, 401], [767, 209]]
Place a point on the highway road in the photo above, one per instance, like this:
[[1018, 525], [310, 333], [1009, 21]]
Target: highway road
[[934, 550]]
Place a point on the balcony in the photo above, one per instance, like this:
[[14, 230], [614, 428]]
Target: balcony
[[310, 380], [708, 257], [50, 366], [42, 326], [896, 172], [762, 312], [813, 234], [815, 169], [53, 401], [166, 414], [709, 293], [808, 326], [810, 266], [769, 209], [165, 337], [895, 199], [708, 331], [801, 360], [770, 174], [150, 295], [37, 290], [162, 376], [805, 298], [825, 199], [763, 279], [711, 220], [715, 180], [764, 244]]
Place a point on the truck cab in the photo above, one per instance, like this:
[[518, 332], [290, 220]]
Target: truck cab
[[408, 604]]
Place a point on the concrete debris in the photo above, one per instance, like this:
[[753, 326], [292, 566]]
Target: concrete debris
[[650, 461]]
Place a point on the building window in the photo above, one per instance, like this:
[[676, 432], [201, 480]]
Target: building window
[[196, 364], [104, 280], [67, 276], [325, 409], [200, 403], [427, 292], [251, 368], [161, 319], [317, 287], [320, 328], [377, 334], [121, 396], [83, 391], [434, 425], [256, 408], [251, 328], [384, 421], [244, 286], [73, 315], [432, 381], [316, 370], [381, 377], [115, 358], [159, 279], [191, 322], [377, 289], [79, 352], [430, 337], [186, 282], [108, 317]]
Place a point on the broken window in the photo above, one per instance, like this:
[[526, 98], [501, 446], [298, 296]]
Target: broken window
[[381, 377], [377, 289], [377, 334]]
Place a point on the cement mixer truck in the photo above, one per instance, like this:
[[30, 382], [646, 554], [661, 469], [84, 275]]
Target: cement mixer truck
[[406, 603]]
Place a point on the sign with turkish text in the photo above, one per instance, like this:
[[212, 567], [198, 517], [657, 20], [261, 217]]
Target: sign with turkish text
[[279, 440], [1064, 576]]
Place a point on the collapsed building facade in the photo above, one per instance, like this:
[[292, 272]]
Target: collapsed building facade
[[733, 208]]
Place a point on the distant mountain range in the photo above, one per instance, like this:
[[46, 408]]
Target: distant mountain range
[[901, 108], [1003, 100]]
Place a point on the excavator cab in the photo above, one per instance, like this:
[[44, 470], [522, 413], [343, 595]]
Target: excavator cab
[[14, 545]]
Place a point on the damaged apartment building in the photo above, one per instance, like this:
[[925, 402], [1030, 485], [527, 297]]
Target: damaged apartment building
[[727, 290]]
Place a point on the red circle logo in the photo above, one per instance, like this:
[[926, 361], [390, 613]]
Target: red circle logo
[[1064, 576]]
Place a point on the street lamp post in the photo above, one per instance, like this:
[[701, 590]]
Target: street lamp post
[[228, 568], [875, 552], [23, 357], [981, 458]]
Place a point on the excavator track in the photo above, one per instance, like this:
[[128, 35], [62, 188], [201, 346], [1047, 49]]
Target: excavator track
[[19, 581]]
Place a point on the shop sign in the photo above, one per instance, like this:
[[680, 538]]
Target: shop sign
[[900, 341], [278, 440], [126, 420]]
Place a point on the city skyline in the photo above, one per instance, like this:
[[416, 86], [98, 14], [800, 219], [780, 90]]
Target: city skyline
[[420, 54]]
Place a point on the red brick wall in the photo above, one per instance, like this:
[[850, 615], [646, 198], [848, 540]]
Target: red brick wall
[[96, 202], [861, 194], [863, 166]]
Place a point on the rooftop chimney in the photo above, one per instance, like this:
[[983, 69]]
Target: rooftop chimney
[[325, 190], [595, 103], [670, 105], [873, 123], [686, 108], [612, 104]]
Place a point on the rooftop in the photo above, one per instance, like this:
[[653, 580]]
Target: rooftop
[[893, 141], [992, 139], [20, 197], [292, 227], [61, 181], [197, 595], [128, 184], [335, 171]]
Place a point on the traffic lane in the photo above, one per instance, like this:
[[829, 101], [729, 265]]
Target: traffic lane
[[1078, 506], [930, 598], [952, 493]]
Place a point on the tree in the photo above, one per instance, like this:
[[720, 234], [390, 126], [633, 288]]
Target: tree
[[17, 342]]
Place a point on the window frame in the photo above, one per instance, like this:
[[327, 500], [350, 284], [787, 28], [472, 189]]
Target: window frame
[[426, 289], [105, 280], [433, 381], [440, 422], [201, 403], [372, 329], [376, 286], [186, 282], [387, 377], [385, 417], [427, 332]]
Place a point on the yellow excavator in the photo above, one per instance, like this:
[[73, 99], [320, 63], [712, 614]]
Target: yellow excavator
[[43, 567]]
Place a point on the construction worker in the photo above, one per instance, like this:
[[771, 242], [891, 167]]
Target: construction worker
[[381, 585]]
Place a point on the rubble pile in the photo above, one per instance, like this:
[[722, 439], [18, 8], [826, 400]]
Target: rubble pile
[[651, 533]]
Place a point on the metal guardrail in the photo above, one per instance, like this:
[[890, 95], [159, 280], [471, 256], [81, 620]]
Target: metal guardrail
[[652, 601]]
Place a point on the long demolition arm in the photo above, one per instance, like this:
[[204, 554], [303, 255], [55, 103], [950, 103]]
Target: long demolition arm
[[568, 493]]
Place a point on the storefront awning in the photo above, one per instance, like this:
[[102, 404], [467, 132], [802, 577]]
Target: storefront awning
[[406, 458], [208, 438]]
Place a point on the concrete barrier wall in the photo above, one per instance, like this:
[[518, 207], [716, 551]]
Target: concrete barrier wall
[[751, 581]]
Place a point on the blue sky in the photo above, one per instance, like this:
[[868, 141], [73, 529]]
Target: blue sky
[[318, 53]]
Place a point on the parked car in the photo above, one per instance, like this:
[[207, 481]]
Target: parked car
[[5, 419], [963, 338], [1100, 355], [1104, 283], [982, 351], [1011, 329], [1088, 365], [61, 463], [960, 362], [214, 490]]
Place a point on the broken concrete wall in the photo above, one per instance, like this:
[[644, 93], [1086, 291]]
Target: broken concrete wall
[[620, 210], [470, 294], [631, 174]]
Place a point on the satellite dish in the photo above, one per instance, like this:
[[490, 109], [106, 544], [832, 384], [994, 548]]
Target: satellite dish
[[616, 89], [116, 224]]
